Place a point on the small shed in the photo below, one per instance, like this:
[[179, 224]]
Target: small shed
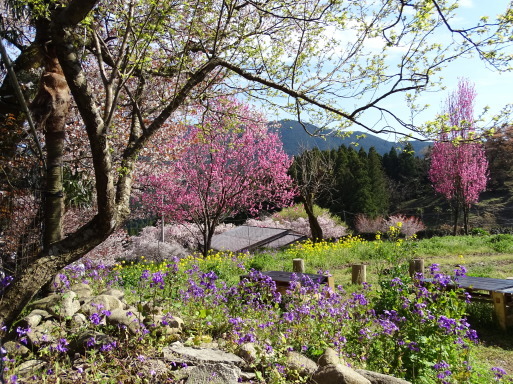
[[248, 238]]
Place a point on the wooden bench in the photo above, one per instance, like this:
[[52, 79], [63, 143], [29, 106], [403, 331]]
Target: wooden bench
[[283, 279], [487, 289]]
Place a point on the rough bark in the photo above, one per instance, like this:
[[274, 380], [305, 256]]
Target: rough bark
[[50, 109]]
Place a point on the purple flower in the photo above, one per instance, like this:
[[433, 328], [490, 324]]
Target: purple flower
[[145, 275], [61, 346], [498, 372], [95, 318], [108, 346], [91, 342]]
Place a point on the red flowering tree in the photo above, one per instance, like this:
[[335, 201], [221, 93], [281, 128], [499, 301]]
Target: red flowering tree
[[459, 168], [232, 163]]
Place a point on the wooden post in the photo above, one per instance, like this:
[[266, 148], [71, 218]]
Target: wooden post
[[499, 303], [416, 266], [331, 283], [359, 273], [298, 265]]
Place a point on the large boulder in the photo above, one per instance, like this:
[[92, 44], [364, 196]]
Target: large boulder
[[214, 373], [379, 378], [300, 363], [83, 291], [330, 356], [100, 303], [61, 305], [338, 374], [177, 352], [128, 319]]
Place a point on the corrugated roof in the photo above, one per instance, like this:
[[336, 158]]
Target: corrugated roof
[[247, 238]]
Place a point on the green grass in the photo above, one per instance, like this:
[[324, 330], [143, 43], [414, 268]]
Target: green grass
[[484, 256]]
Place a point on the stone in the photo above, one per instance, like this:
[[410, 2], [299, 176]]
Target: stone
[[152, 368], [248, 352], [247, 376], [214, 373], [117, 293], [330, 356], [59, 283], [34, 318], [338, 374], [379, 378], [164, 321], [151, 309], [300, 363], [79, 320], [61, 305], [87, 340], [83, 291], [100, 303], [48, 332], [13, 348], [129, 319], [178, 352], [31, 368]]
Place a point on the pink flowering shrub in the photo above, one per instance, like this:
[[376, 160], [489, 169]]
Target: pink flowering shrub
[[408, 226], [294, 218], [365, 224]]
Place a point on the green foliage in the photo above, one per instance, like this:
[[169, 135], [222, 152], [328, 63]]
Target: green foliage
[[501, 243]]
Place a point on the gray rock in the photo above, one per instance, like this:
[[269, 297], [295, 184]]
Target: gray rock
[[338, 374], [211, 373], [247, 376], [13, 348], [34, 318], [164, 321], [379, 378], [83, 291], [31, 367], [150, 308], [129, 319], [100, 303], [117, 293], [300, 363], [152, 368], [79, 320], [178, 352], [248, 352], [330, 356], [60, 305], [48, 332], [87, 340]]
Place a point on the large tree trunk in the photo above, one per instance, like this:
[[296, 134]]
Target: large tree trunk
[[315, 227], [50, 109]]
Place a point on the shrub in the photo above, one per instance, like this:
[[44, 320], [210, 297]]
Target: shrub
[[365, 224], [408, 226]]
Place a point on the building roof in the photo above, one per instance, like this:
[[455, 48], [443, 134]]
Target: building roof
[[248, 238]]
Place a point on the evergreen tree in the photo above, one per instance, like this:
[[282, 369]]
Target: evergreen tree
[[378, 183]]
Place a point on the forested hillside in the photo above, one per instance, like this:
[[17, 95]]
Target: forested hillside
[[295, 140], [396, 182]]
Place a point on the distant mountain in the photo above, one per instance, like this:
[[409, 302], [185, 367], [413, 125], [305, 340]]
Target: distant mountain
[[295, 140]]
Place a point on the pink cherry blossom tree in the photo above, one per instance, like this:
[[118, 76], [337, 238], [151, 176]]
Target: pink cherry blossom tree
[[231, 164], [459, 168]]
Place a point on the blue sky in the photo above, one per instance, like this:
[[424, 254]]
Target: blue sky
[[494, 89]]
